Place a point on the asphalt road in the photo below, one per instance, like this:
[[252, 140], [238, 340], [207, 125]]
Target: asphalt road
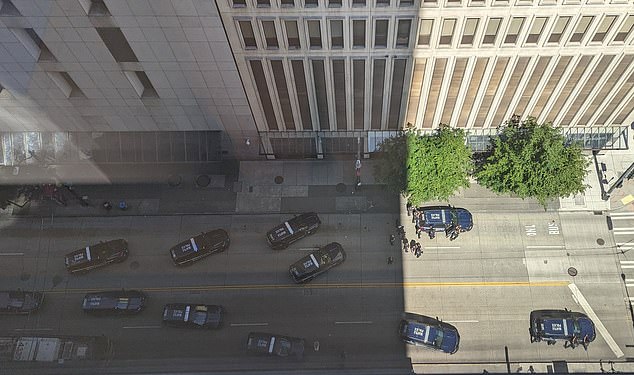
[[485, 283]]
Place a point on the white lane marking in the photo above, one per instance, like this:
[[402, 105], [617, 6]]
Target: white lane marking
[[308, 248], [598, 324], [627, 266], [442, 247], [628, 285], [33, 329], [11, 254], [627, 246], [357, 322], [622, 214], [248, 324], [545, 247], [461, 321], [141, 327], [627, 261], [631, 299]]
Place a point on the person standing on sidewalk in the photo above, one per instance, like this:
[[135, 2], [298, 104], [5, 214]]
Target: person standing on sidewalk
[[408, 206]]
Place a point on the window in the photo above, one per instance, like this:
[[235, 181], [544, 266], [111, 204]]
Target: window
[[263, 3], [470, 27], [117, 44], [287, 3], [8, 9], [33, 44], [336, 33], [396, 95], [378, 79], [382, 3], [581, 29], [491, 32], [302, 93], [66, 84], [380, 33], [310, 3], [405, 3], [424, 35], [334, 3], [95, 7], [402, 33], [263, 94], [141, 84], [292, 34], [536, 30], [320, 92], [314, 33], [604, 28], [358, 3], [358, 33], [339, 76], [270, 35], [239, 3], [625, 30], [247, 34], [358, 82], [282, 93], [446, 35], [454, 2], [514, 30], [560, 28]]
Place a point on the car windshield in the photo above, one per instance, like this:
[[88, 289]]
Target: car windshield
[[282, 347], [438, 340], [576, 327], [199, 318]]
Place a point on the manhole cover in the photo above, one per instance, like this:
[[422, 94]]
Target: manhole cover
[[600, 241], [134, 265], [25, 276], [341, 188], [203, 180], [279, 179], [174, 180], [572, 271]]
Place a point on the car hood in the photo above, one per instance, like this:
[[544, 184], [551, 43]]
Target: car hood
[[587, 328], [465, 219], [450, 341]]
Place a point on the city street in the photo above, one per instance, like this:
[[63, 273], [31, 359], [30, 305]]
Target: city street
[[485, 283]]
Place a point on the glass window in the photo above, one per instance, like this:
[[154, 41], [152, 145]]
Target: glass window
[[282, 94], [314, 33], [339, 76], [383, 3], [269, 34], [491, 32], [536, 30], [287, 3], [405, 3], [558, 31], [263, 3], [604, 28], [396, 95], [358, 3], [454, 2], [334, 3], [358, 33], [311, 3], [470, 27], [446, 36], [292, 34], [336, 33], [378, 79], [402, 33], [263, 91], [514, 30], [625, 30], [380, 33], [358, 78], [302, 93], [247, 34], [424, 35], [239, 3], [320, 91], [581, 29]]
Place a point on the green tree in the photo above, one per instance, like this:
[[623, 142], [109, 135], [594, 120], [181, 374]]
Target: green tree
[[428, 167], [533, 161]]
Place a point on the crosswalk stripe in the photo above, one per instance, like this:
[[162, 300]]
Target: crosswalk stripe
[[619, 232], [621, 214], [627, 266], [627, 262], [631, 299]]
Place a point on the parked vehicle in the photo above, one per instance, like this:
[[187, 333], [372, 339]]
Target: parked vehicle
[[94, 256], [317, 262], [200, 246], [184, 315], [439, 218], [19, 302], [114, 302], [275, 345], [554, 325], [421, 330], [55, 348], [294, 229]]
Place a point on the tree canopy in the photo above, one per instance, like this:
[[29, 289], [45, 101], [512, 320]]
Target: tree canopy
[[427, 167], [533, 161]]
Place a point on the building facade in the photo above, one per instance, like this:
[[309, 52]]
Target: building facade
[[150, 81]]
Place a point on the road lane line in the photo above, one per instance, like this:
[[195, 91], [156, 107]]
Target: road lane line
[[627, 261], [545, 246], [11, 254], [141, 327], [442, 247], [357, 322], [461, 321], [33, 329], [622, 214], [598, 323], [631, 299], [627, 266], [249, 324]]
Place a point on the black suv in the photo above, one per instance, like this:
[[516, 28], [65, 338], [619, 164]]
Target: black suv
[[292, 230], [186, 315], [317, 262], [101, 254], [439, 218], [114, 302], [552, 325], [196, 248], [421, 330], [19, 302], [275, 345]]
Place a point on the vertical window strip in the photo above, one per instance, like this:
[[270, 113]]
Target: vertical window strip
[[415, 90], [618, 98], [489, 94], [514, 30], [320, 92], [378, 78], [380, 33], [560, 28], [270, 35], [336, 33], [604, 28], [547, 92], [282, 93], [314, 33], [339, 76], [396, 94], [470, 28], [536, 30], [625, 30], [446, 35], [569, 86], [358, 77], [454, 89], [402, 33], [263, 93], [511, 89], [472, 91], [434, 92], [581, 29], [618, 120], [358, 33], [531, 86], [491, 32], [292, 34], [424, 35], [248, 37], [302, 93]]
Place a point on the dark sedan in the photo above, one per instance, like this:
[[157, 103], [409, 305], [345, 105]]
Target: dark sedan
[[114, 302], [200, 246], [94, 256], [185, 315], [19, 302], [294, 229], [275, 345], [317, 262], [553, 325], [430, 333]]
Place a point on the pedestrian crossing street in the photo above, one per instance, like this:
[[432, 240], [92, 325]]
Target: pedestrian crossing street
[[623, 232]]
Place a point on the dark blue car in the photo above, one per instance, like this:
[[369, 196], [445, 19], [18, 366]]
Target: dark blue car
[[428, 332], [565, 325], [439, 218]]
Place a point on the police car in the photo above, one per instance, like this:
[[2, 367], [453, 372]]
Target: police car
[[430, 333], [101, 254], [292, 230], [114, 302], [565, 325], [317, 262], [275, 345], [186, 315], [200, 246], [439, 218], [19, 302]]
